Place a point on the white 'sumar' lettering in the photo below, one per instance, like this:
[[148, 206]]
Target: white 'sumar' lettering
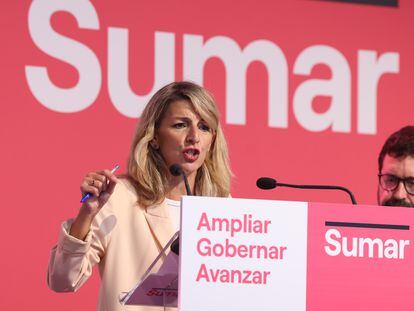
[[364, 247], [371, 68]]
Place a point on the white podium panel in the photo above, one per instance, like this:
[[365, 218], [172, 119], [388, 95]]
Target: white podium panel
[[239, 254]]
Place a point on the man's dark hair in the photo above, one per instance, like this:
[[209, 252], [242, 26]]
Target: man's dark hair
[[399, 144]]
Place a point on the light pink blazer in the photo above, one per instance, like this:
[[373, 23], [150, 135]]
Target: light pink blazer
[[124, 239]]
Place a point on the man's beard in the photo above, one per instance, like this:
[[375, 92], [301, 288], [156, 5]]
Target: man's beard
[[397, 202]]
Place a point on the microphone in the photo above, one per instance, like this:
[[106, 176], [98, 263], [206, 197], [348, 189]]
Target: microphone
[[177, 170], [175, 246], [268, 183]]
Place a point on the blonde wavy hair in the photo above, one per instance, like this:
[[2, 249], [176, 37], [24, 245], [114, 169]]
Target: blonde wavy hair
[[147, 170]]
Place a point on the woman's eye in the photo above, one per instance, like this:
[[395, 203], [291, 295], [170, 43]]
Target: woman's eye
[[204, 127], [179, 125]]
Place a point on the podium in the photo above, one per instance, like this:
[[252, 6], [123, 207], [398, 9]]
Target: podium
[[157, 287], [242, 254]]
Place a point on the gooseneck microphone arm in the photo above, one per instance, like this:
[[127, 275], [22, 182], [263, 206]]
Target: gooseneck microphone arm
[[323, 187], [177, 170], [268, 183]]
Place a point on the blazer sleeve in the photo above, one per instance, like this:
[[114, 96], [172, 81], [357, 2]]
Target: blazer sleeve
[[71, 260]]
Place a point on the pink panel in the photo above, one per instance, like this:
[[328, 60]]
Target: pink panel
[[359, 283]]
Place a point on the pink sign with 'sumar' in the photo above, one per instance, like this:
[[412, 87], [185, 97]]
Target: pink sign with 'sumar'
[[360, 257]]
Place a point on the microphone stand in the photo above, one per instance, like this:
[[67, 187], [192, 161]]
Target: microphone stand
[[176, 170], [321, 187], [268, 183]]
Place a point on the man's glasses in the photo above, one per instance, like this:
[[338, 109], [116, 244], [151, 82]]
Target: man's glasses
[[391, 182]]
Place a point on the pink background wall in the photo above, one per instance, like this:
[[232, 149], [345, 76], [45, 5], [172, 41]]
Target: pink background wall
[[46, 153]]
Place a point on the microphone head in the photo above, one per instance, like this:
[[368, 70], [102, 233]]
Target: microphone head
[[266, 183], [176, 170], [175, 246]]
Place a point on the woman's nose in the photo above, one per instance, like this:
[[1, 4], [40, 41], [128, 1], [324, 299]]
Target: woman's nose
[[193, 135]]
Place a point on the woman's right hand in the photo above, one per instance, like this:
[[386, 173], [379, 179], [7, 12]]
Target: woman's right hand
[[100, 184]]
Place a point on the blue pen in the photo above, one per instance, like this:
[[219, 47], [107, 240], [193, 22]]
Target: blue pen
[[88, 195]]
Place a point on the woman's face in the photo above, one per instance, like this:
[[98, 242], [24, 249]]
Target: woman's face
[[183, 138]]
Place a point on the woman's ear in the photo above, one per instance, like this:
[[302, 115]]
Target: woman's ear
[[154, 143]]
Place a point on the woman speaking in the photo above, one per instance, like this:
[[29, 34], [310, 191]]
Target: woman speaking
[[126, 221]]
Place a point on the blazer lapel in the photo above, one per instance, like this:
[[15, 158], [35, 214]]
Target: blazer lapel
[[158, 218]]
